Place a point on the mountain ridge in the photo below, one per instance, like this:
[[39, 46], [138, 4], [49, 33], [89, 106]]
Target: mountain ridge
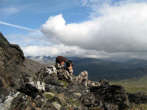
[[116, 70], [21, 89]]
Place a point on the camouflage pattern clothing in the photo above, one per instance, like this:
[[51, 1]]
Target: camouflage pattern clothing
[[46, 75], [51, 74], [63, 74], [93, 83], [68, 76], [82, 78]]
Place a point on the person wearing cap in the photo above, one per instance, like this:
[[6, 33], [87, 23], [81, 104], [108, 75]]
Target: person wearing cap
[[60, 62], [60, 67]]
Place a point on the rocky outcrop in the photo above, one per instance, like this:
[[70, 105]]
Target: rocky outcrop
[[15, 69], [17, 94], [112, 96], [62, 95], [138, 98]]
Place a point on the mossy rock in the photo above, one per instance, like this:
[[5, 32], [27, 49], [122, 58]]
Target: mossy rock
[[63, 83], [61, 97], [73, 102], [49, 95], [56, 105]]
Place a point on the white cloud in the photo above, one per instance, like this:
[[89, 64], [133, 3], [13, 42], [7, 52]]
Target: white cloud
[[35, 44], [72, 51], [55, 50], [97, 5], [120, 28], [27, 39]]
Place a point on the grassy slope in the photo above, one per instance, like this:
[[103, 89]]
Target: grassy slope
[[133, 86]]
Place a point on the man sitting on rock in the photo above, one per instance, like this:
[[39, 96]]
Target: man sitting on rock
[[50, 74], [60, 67], [66, 73], [53, 73], [82, 78]]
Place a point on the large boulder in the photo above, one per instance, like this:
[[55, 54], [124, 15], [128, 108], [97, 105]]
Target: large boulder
[[15, 69], [114, 97], [11, 60]]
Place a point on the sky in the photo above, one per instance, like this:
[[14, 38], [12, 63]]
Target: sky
[[81, 28]]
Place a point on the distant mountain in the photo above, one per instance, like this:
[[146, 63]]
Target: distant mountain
[[104, 68], [42, 59]]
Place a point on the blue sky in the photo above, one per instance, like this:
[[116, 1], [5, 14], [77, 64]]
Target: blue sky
[[33, 13], [76, 27]]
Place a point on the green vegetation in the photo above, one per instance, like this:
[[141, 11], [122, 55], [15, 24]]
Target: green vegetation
[[73, 102], [133, 85], [138, 107], [64, 83], [49, 95]]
